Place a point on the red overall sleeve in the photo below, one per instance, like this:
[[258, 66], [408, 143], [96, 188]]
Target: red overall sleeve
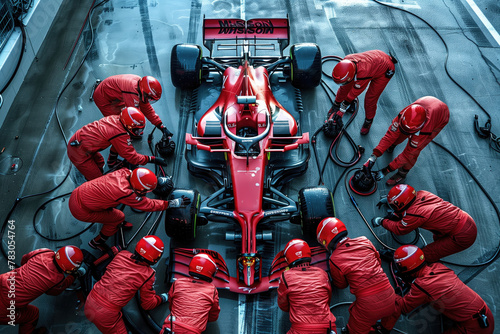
[[61, 286], [29, 255], [144, 203], [149, 298], [150, 113], [213, 314], [404, 226], [338, 278], [283, 295], [124, 147], [392, 136]]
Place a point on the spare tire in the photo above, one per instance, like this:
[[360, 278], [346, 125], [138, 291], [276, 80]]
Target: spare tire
[[306, 65], [315, 204], [181, 223], [185, 66]]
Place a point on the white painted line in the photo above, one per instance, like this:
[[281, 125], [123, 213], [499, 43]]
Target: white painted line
[[241, 312], [242, 9], [484, 20]]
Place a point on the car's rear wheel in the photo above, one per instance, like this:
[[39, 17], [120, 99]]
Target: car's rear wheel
[[181, 223], [315, 204], [306, 65], [185, 66]]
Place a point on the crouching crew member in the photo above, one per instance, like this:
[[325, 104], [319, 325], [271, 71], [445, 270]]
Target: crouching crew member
[[41, 271], [126, 274], [95, 200], [305, 292], [438, 285], [356, 263], [354, 73], [420, 122], [453, 229], [193, 300], [129, 90], [115, 131]]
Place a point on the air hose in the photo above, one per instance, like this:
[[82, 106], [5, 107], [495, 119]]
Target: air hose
[[19, 199], [483, 132]]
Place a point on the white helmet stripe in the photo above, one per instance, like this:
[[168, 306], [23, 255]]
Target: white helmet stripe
[[407, 256], [142, 183], [403, 188], [132, 118], [322, 227], [153, 245], [66, 251]]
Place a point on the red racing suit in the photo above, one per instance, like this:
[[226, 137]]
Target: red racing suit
[[95, 200], [437, 116], [373, 67], [305, 292], [356, 262], [119, 91], [438, 285], [124, 276], [193, 302], [85, 145], [453, 229], [37, 275]]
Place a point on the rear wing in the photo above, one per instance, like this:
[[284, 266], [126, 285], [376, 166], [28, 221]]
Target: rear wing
[[277, 29]]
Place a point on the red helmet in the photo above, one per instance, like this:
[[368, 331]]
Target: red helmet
[[133, 120], [143, 180], [344, 72], [296, 252], [203, 266], [412, 119], [401, 196], [409, 259], [330, 231], [150, 247], [150, 89], [69, 258]]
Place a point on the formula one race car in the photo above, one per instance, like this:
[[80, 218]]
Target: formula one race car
[[247, 144]]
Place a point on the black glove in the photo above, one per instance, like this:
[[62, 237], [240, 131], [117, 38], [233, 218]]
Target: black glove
[[393, 216], [377, 221], [370, 162], [383, 201], [79, 272], [164, 186], [164, 298], [335, 107], [344, 106], [165, 131], [181, 202], [158, 161], [380, 174]]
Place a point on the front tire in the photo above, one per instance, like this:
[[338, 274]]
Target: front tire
[[315, 204], [306, 65], [185, 66], [181, 223]]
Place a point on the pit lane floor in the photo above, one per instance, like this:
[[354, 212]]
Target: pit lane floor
[[137, 36]]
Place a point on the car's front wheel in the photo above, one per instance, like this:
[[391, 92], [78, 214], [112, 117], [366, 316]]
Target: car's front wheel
[[315, 204], [185, 66], [181, 223], [306, 65]]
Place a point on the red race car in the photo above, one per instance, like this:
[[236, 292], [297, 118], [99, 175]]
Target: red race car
[[247, 144]]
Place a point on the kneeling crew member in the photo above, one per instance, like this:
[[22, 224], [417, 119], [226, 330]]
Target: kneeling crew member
[[193, 300], [438, 285], [95, 200], [453, 229], [126, 274], [305, 292], [41, 271], [356, 263]]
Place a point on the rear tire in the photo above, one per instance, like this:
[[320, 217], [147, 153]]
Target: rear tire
[[306, 65], [185, 66], [181, 223], [315, 204]]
